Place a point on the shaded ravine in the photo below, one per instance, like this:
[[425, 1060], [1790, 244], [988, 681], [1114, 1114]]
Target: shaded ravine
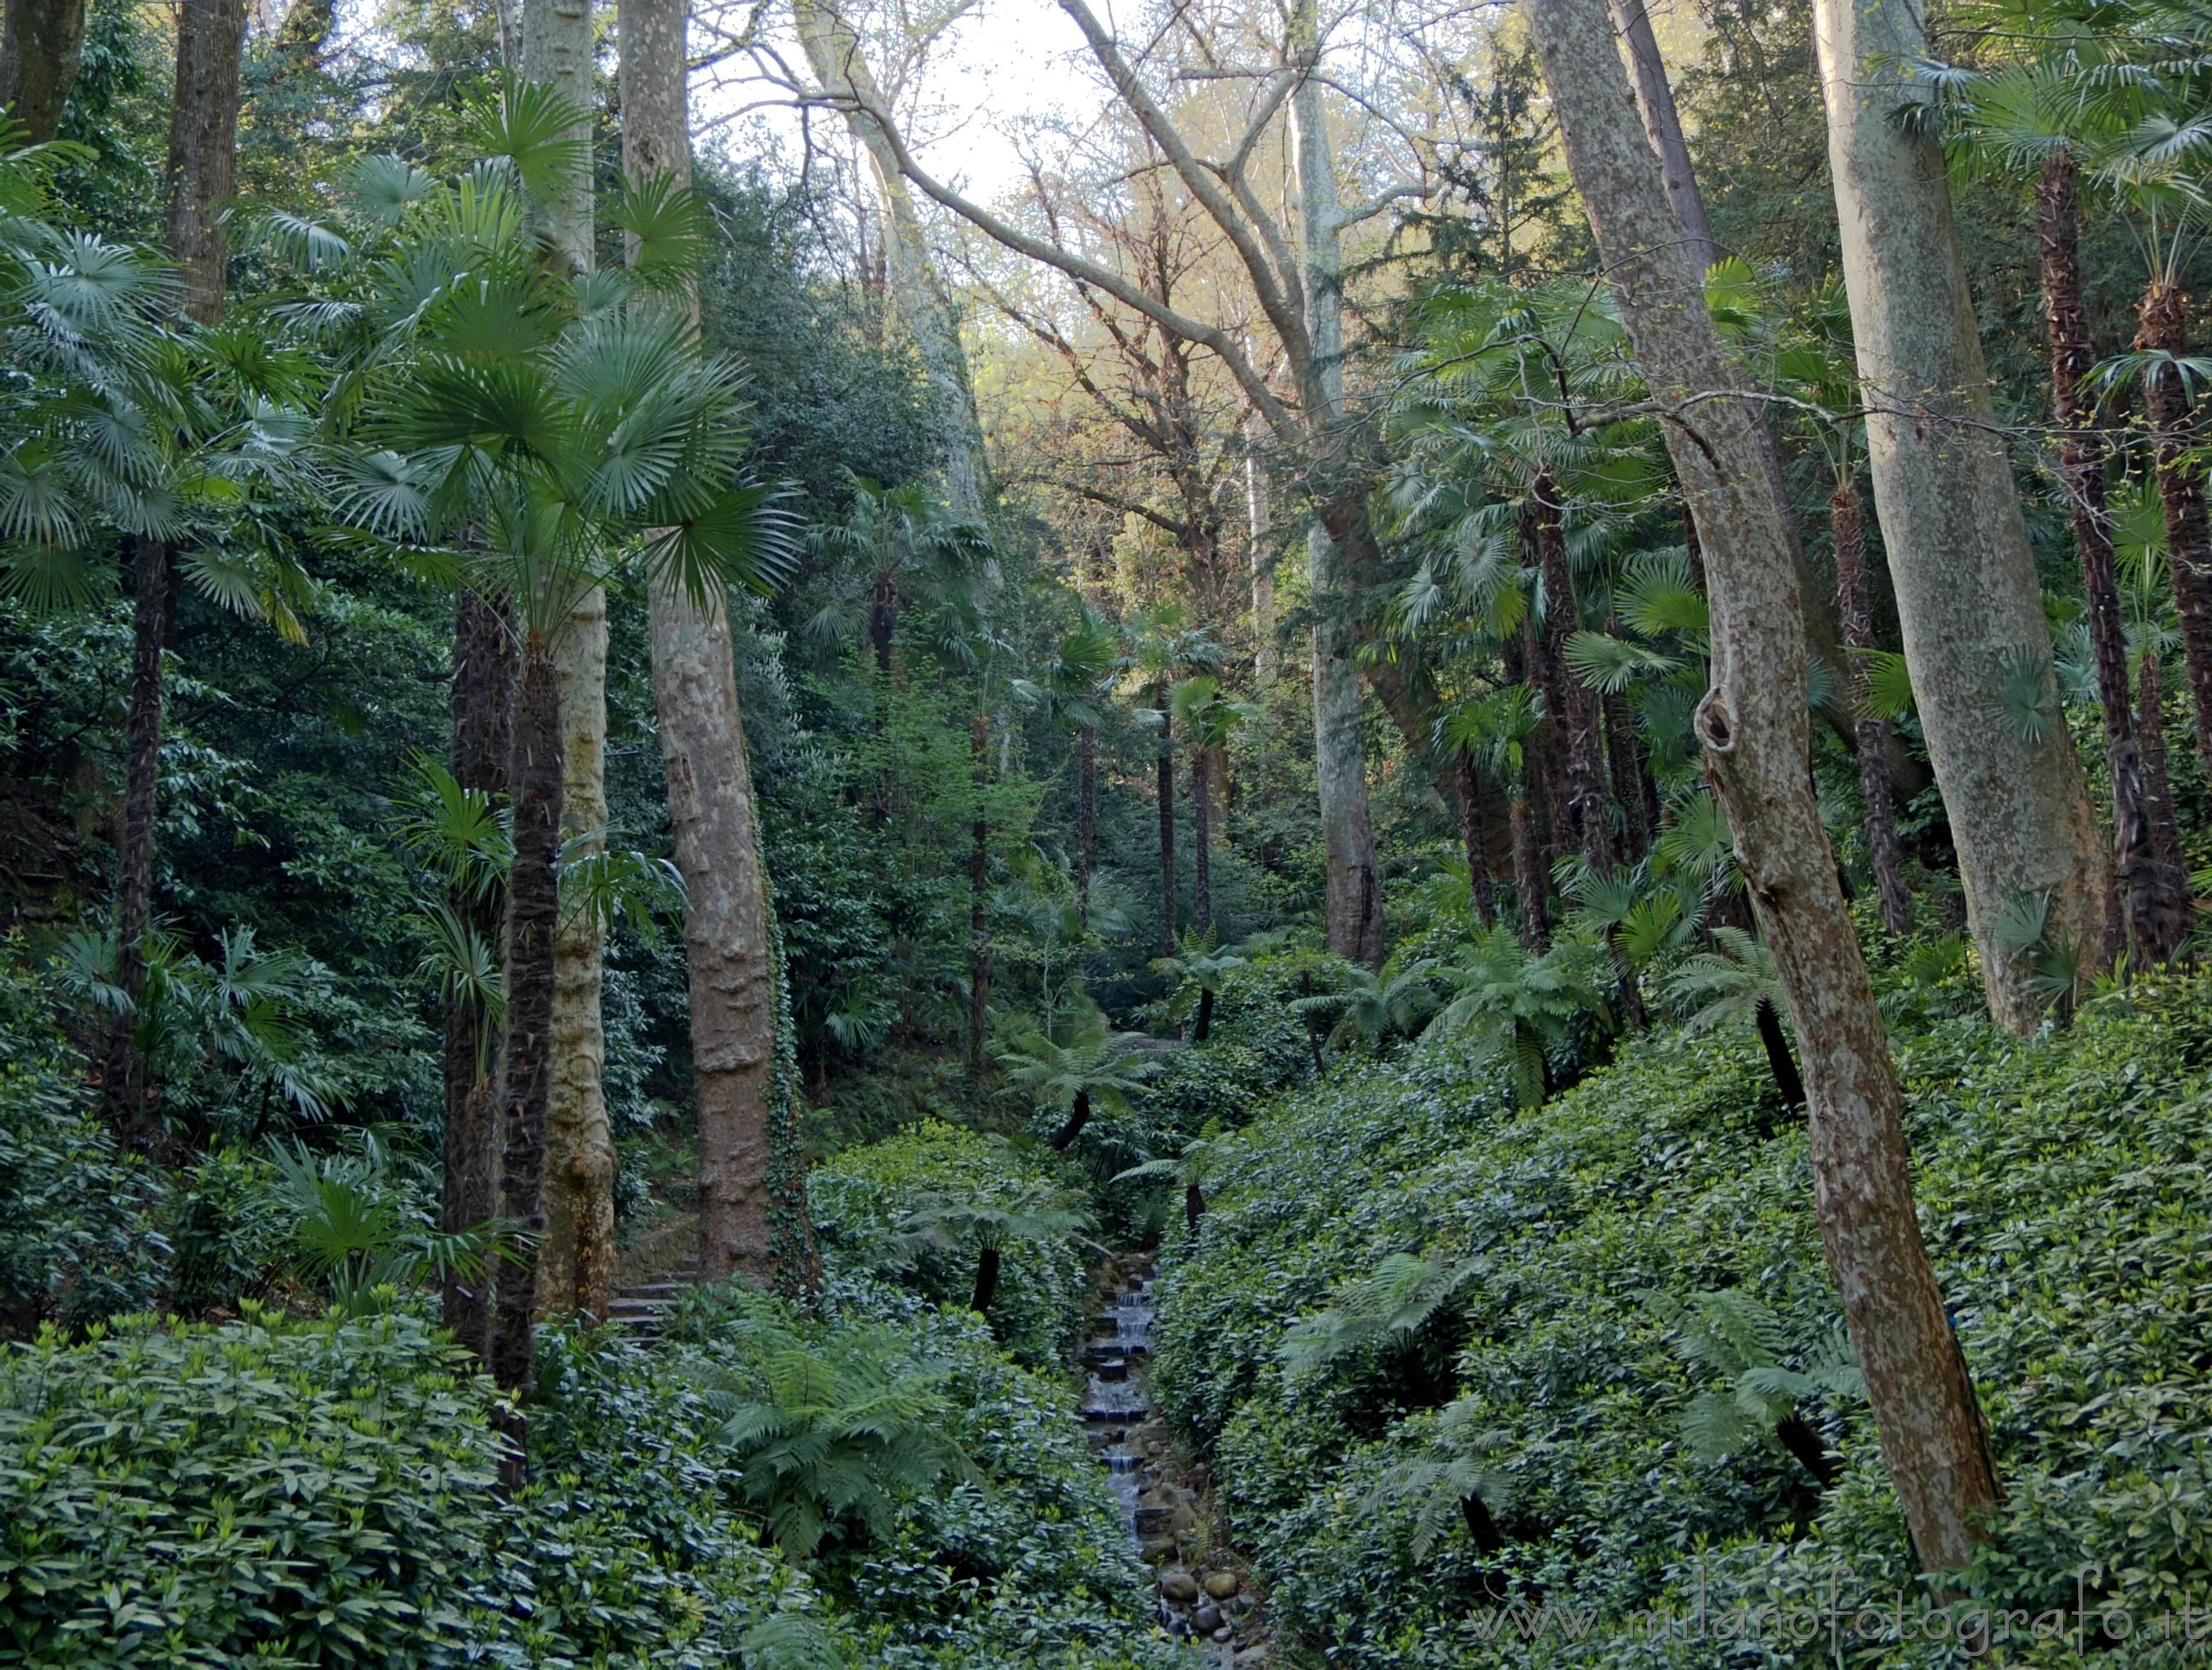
[[1210, 1606]]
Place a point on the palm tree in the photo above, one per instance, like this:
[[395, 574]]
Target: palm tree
[[1194, 1168], [1096, 1067], [1075, 682], [1519, 1005], [538, 424], [1033, 1212], [1734, 984], [1198, 970], [1490, 732], [895, 551], [1374, 1004]]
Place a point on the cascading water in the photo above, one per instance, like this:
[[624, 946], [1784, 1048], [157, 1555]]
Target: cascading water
[[1114, 1405]]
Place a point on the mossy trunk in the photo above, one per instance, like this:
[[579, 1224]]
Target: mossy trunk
[[41, 49], [203, 157]]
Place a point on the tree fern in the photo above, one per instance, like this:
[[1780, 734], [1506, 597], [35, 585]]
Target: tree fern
[[1393, 1303]]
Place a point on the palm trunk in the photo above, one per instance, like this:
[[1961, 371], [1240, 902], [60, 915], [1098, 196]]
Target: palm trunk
[[728, 932], [534, 776], [1165, 772], [986, 1280], [1624, 760], [1871, 734], [2154, 894], [41, 49], [1078, 1115], [2150, 739], [1483, 890], [1967, 595], [1780, 1061], [979, 881], [483, 695], [1754, 725], [124, 1080], [576, 1265], [2164, 311], [1577, 712], [1202, 845], [1528, 873], [203, 162], [1087, 817]]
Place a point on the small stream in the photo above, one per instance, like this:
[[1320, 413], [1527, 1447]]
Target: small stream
[[1210, 1607]]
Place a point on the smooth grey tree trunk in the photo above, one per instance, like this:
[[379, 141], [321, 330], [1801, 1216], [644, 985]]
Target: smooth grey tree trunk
[[1754, 726], [1967, 597], [710, 792], [575, 1265], [834, 53], [1354, 918]]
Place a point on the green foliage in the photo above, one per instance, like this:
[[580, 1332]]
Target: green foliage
[[1617, 1440], [863, 1197], [78, 1217]]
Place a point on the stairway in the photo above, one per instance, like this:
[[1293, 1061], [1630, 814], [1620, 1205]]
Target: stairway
[[639, 1310]]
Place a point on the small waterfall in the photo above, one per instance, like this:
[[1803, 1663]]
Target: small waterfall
[[1118, 1414]]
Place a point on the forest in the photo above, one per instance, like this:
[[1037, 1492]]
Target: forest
[[847, 836]]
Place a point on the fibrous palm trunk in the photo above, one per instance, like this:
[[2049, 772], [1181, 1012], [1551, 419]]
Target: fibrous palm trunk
[[41, 49], [1483, 890], [1968, 595], [533, 912], [2150, 737], [2164, 313], [481, 700], [576, 1265], [726, 928], [1577, 711], [1165, 772], [2152, 893], [1087, 817], [1201, 843], [1753, 725], [979, 883], [1853, 596], [203, 162], [123, 1079]]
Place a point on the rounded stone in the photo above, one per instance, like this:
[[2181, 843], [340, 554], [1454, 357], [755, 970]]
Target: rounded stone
[[1179, 1586], [1221, 1584], [1205, 1618]]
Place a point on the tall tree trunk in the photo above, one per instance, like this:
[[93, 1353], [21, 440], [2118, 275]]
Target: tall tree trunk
[[1623, 759], [1354, 918], [41, 46], [1577, 713], [203, 162], [1967, 595], [727, 930], [1662, 126], [576, 1265], [979, 883], [1087, 817], [482, 701], [1848, 533], [2154, 894], [1483, 890], [833, 51], [1201, 843], [124, 1080], [1754, 725], [2164, 312], [1261, 556], [1528, 871], [2150, 739], [533, 912], [1164, 773]]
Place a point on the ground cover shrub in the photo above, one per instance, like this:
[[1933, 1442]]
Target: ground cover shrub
[[2062, 1189], [862, 1197]]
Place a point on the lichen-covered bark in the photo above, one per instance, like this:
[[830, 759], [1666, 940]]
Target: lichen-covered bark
[[1754, 728], [1967, 597], [727, 926], [41, 49], [575, 1264], [203, 157]]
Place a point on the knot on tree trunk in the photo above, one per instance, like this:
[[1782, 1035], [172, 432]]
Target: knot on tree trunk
[[1714, 721]]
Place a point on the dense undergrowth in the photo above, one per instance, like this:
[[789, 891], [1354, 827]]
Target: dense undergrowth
[[1535, 1399]]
